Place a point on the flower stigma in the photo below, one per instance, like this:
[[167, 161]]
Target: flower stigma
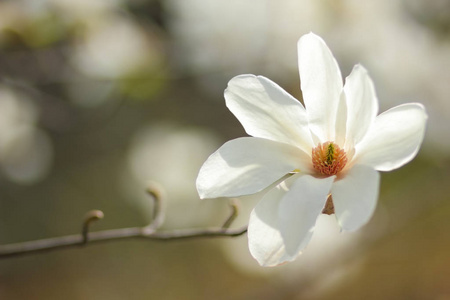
[[328, 158]]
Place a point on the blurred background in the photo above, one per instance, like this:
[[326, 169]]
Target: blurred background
[[100, 97]]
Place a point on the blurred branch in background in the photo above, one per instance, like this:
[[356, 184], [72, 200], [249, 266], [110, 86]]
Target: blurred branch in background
[[148, 232]]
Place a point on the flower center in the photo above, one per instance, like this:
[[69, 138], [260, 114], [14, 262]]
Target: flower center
[[328, 158]]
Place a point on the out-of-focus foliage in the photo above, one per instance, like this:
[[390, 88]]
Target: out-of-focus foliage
[[98, 97]]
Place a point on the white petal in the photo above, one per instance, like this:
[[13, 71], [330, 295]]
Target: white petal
[[264, 238], [355, 196], [267, 111], [282, 223], [341, 121], [394, 139], [321, 85], [299, 210], [362, 104], [248, 165]]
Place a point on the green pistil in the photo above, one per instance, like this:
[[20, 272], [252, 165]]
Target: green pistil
[[330, 153]]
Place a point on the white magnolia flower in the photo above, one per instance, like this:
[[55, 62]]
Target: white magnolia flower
[[335, 146]]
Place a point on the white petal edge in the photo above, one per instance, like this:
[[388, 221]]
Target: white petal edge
[[362, 104], [394, 139], [321, 84], [265, 110], [355, 197], [247, 165], [282, 223]]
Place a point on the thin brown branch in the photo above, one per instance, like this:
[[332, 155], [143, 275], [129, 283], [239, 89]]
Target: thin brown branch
[[197, 233], [146, 232], [91, 216], [77, 240], [234, 213]]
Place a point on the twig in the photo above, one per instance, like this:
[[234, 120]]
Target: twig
[[147, 232], [158, 210], [91, 216], [234, 213]]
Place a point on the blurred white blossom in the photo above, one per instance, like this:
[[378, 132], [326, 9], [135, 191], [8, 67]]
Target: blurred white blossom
[[171, 155], [241, 35], [83, 10], [114, 48], [25, 150]]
